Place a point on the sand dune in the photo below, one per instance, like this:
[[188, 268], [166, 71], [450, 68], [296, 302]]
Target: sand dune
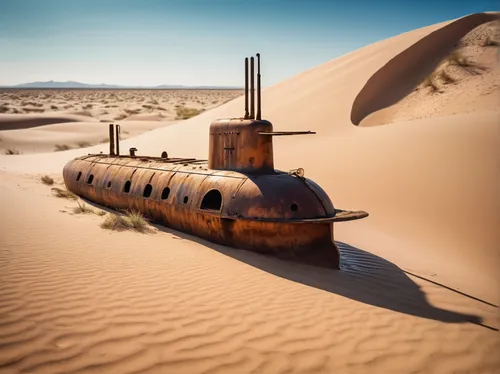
[[418, 290], [403, 73]]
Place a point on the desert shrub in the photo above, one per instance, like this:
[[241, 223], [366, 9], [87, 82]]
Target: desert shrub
[[132, 220], [12, 151], [83, 144], [82, 209], [64, 194], [47, 180], [185, 113], [430, 81], [137, 221], [446, 77], [116, 222], [458, 58], [61, 147]]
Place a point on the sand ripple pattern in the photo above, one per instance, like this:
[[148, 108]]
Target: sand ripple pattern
[[77, 299]]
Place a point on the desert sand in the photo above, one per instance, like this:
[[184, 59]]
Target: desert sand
[[418, 288], [61, 119]]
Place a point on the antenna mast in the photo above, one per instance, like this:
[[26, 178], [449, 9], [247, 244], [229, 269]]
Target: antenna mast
[[258, 88], [246, 88], [252, 89]]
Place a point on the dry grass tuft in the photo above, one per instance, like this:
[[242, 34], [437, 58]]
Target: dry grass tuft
[[116, 222], [430, 81], [132, 220], [61, 147], [64, 194], [137, 221], [445, 77], [459, 59], [47, 180], [82, 209], [83, 144], [185, 113], [12, 151]]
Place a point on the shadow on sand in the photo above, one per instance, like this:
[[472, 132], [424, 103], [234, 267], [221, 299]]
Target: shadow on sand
[[363, 277]]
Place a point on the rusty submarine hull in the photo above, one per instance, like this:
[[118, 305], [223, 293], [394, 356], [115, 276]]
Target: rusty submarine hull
[[235, 198]]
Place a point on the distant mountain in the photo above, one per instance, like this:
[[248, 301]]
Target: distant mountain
[[72, 84]]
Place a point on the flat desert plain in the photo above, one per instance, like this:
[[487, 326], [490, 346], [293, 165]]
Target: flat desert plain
[[407, 129], [46, 120]]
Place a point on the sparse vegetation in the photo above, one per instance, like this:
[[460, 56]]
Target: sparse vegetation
[[430, 81], [54, 107], [4, 108], [64, 194], [82, 209], [61, 147], [47, 180], [458, 58], [83, 144], [132, 220], [12, 151], [445, 77], [137, 221], [185, 113]]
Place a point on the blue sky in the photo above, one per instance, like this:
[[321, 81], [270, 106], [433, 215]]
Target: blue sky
[[197, 42]]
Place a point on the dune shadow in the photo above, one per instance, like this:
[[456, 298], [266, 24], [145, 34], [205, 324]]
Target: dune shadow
[[403, 73], [363, 277], [30, 122]]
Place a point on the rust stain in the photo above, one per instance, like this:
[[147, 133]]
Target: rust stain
[[235, 198]]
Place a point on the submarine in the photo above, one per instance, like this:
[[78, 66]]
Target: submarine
[[235, 198]]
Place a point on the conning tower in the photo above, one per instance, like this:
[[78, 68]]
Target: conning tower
[[245, 144]]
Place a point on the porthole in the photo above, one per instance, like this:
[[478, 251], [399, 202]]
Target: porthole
[[78, 176], [126, 187], [165, 193], [212, 200], [90, 179], [147, 190], [294, 207], [186, 199]]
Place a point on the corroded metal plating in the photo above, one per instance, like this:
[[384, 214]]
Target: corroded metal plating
[[236, 197]]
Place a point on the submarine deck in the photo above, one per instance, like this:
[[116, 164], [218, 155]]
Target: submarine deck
[[200, 167]]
